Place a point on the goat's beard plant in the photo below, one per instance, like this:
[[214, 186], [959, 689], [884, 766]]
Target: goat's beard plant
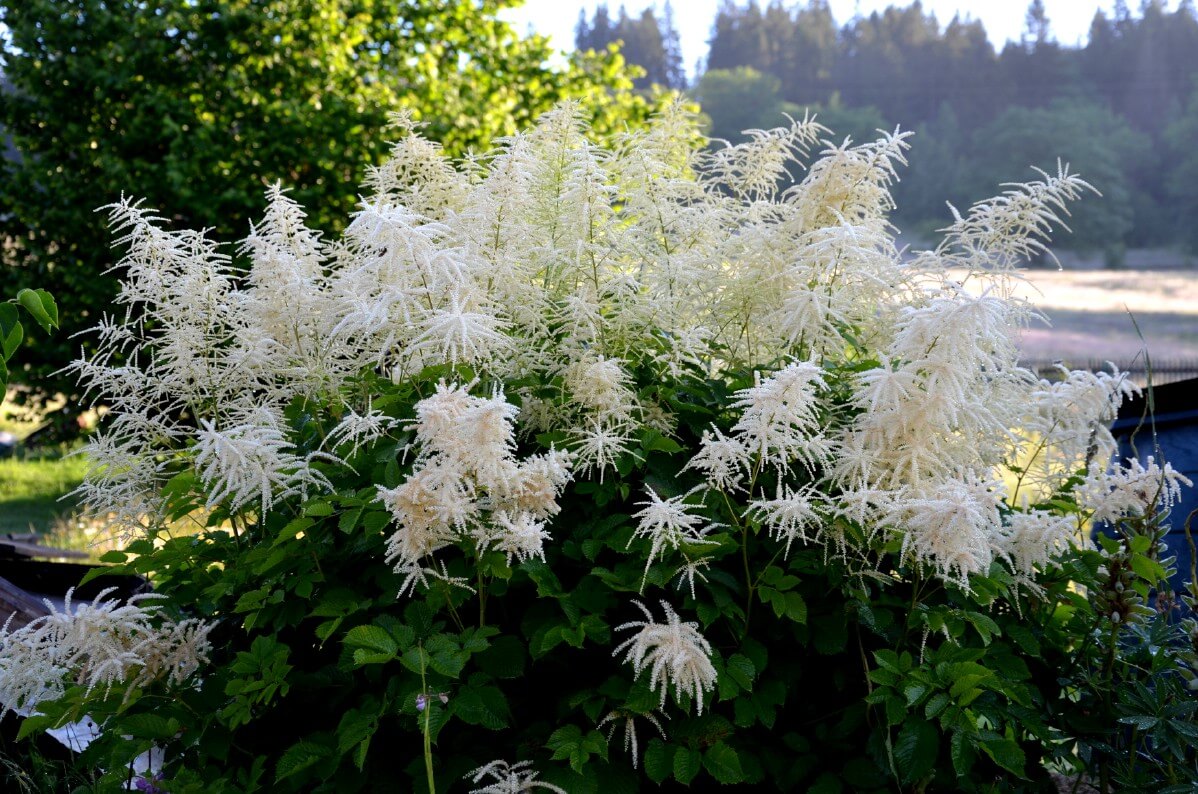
[[450, 459]]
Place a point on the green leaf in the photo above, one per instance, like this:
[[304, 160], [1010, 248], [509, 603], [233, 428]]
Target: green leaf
[[723, 763], [299, 757], [936, 704], [796, 607], [687, 763], [149, 726], [291, 529], [913, 692], [318, 509], [371, 644], [984, 625], [741, 670], [1006, 753], [355, 731], [657, 761], [40, 306], [915, 749], [961, 749], [485, 706], [1024, 638], [10, 337], [35, 723], [1147, 568]]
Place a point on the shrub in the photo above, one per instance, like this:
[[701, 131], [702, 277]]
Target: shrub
[[584, 468]]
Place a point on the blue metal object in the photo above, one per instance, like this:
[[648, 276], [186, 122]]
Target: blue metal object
[[1174, 421]]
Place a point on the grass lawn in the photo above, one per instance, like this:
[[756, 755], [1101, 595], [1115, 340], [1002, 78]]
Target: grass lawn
[[30, 489]]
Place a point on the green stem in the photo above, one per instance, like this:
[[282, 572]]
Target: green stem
[[1104, 772], [482, 601], [428, 713], [744, 555]]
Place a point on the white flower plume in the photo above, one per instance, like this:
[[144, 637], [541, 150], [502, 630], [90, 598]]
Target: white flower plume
[[675, 653], [101, 644], [508, 779], [668, 525]]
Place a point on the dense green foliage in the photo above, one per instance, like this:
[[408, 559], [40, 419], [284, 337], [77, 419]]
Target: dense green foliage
[[38, 305], [833, 675], [201, 104]]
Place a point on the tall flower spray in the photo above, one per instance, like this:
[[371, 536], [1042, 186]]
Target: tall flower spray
[[505, 336]]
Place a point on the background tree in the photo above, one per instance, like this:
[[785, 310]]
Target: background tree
[[1182, 184], [740, 99], [1099, 145], [948, 83], [644, 41], [199, 104]]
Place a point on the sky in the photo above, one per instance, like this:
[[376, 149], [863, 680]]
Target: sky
[[1003, 18]]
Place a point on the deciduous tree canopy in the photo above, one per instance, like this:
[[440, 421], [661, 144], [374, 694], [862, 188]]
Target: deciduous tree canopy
[[202, 103]]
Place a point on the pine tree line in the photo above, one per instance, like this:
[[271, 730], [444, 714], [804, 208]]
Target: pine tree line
[[646, 41], [1122, 108]]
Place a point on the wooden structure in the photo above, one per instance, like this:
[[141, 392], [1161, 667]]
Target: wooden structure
[[1169, 432], [30, 572]]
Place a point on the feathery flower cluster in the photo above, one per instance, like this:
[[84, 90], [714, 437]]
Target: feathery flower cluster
[[467, 487], [1134, 489], [589, 271], [675, 652], [101, 644], [1069, 422], [509, 778], [615, 719], [669, 526]]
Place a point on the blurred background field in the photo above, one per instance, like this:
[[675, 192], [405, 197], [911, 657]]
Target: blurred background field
[[1092, 311]]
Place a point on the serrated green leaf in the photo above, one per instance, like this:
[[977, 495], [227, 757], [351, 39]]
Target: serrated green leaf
[[687, 763], [936, 704], [1006, 753], [915, 749], [1147, 568], [741, 670], [983, 625], [913, 692], [796, 607], [723, 763], [318, 509], [485, 706], [378, 644], [1024, 638], [657, 761], [962, 753], [148, 726], [299, 757]]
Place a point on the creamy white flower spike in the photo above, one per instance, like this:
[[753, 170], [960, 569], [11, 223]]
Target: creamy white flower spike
[[100, 645], [467, 488], [675, 653], [508, 779], [590, 271], [669, 526], [1130, 490]]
